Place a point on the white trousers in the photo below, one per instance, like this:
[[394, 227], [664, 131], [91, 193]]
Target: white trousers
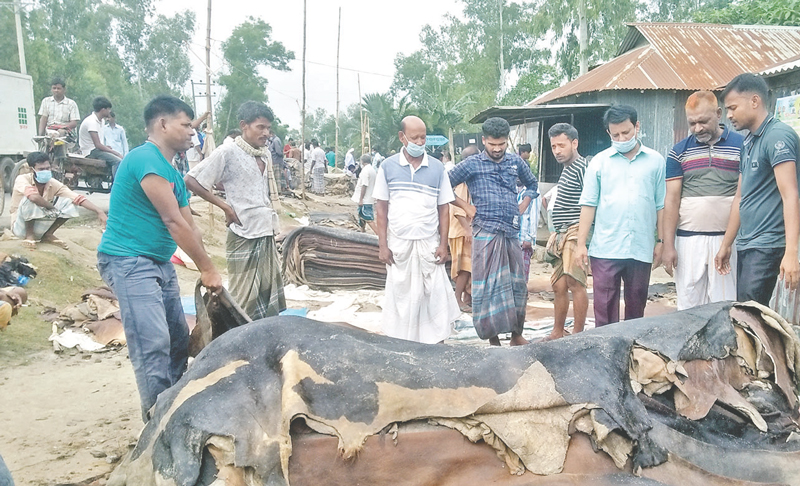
[[696, 279], [420, 304]]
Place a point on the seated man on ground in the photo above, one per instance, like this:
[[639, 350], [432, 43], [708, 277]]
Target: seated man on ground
[[41, 204]]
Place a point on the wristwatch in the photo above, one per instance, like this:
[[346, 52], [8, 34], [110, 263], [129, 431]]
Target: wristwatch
[[659, 240]]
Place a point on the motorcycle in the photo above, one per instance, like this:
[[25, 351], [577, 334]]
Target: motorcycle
[[70, 167]]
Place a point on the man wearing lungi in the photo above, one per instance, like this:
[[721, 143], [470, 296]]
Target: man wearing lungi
[[499, 290], [251, 198], [412, 193], [567, 275], [460, 241]]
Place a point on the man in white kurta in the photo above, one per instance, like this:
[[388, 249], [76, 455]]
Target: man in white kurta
[[412, 193]]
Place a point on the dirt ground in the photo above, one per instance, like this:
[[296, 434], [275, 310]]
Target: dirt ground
[[66, 419]]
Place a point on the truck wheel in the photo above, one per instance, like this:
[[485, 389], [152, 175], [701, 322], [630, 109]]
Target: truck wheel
[[6, 169]]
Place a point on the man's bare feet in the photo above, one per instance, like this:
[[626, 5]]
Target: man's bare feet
[[518, 340], [494, 341]]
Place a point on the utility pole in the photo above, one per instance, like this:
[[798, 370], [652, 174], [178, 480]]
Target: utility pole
[[208, 66], [502, 62], [583, 37], [361, 108], [23, 68], [303, 110], [338, 46]]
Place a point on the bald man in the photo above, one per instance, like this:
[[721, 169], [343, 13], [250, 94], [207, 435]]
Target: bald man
[[412, 193], [702, 175]]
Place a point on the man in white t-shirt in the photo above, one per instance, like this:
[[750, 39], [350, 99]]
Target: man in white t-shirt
[[90, 135], [363, 194]]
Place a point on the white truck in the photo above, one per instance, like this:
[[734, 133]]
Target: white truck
[[17, 122]]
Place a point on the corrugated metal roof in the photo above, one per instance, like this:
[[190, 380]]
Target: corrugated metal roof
[[792, 64], [516, 115], [685, 57]]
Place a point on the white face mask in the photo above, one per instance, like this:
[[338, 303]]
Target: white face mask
[[626, 146], [413, 149]]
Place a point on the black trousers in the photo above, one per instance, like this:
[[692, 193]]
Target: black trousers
[[757, 272]]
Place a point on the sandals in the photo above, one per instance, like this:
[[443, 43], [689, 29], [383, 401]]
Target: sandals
[[31, 244], [56, 242]]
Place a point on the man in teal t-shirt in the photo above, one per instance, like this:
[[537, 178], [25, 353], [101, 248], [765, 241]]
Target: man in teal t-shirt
[[148, 218]]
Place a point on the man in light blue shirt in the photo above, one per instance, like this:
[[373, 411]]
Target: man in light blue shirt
[[623, 195], [114, 135]]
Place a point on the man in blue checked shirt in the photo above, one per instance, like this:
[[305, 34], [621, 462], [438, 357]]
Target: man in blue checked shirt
[[499, 289]]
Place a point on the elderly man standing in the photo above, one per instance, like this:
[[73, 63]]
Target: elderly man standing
[[623, 195], [499, 290], [567, 275], [251, 200], [411, 195], [766, 209], [148, 214], [702, 175], [57, 113]]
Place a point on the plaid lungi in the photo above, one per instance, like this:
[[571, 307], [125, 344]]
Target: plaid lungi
[[255, 275], [318, 179], [499, 290]]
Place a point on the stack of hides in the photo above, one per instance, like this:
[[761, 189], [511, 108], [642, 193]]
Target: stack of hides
[[331, 259], [98, 313]]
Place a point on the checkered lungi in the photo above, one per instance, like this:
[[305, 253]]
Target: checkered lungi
[[255, 277]]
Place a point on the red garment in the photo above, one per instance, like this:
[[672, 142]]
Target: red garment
[[286, 149]]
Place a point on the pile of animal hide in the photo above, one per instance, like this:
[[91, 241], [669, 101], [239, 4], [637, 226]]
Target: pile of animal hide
[[92, 324], [339, 184], [705, 396], [330, 258]]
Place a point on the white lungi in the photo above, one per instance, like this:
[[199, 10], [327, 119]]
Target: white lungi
[[696, 278], [42, 218], [420, 304]]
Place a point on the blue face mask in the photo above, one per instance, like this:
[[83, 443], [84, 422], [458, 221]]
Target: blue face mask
[[43, 176], [414, 150], [626, 146]]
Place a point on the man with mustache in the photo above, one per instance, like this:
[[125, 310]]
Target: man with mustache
[[702, 174]]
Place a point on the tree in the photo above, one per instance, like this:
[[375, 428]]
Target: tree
[[750, 12], [540, 80], [102, 48], [248, 48], [385, 114]]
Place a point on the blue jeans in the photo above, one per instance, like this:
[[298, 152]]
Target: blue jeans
[[152, 315]]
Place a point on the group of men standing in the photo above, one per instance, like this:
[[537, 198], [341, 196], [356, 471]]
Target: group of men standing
[[617, 215], [624, 211]]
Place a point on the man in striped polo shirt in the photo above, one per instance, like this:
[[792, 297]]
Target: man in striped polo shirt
[[567, 276], [412, 193], [702, 174]]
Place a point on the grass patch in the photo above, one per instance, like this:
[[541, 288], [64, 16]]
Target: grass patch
[[60, 281]]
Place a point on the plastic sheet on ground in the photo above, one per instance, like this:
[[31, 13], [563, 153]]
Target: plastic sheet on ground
[[359, 308]]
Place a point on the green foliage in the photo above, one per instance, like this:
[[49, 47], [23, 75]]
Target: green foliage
[[102, 48], [751, 12], [248, 49], [529, 86]]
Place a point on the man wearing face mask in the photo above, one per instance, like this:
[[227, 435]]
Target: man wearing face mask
[[623, 195], [41, 204], [251, 200], [499, 289], [702, 175], [412, 194]]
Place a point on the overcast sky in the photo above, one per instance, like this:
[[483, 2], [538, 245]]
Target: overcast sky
[[373, 33]]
